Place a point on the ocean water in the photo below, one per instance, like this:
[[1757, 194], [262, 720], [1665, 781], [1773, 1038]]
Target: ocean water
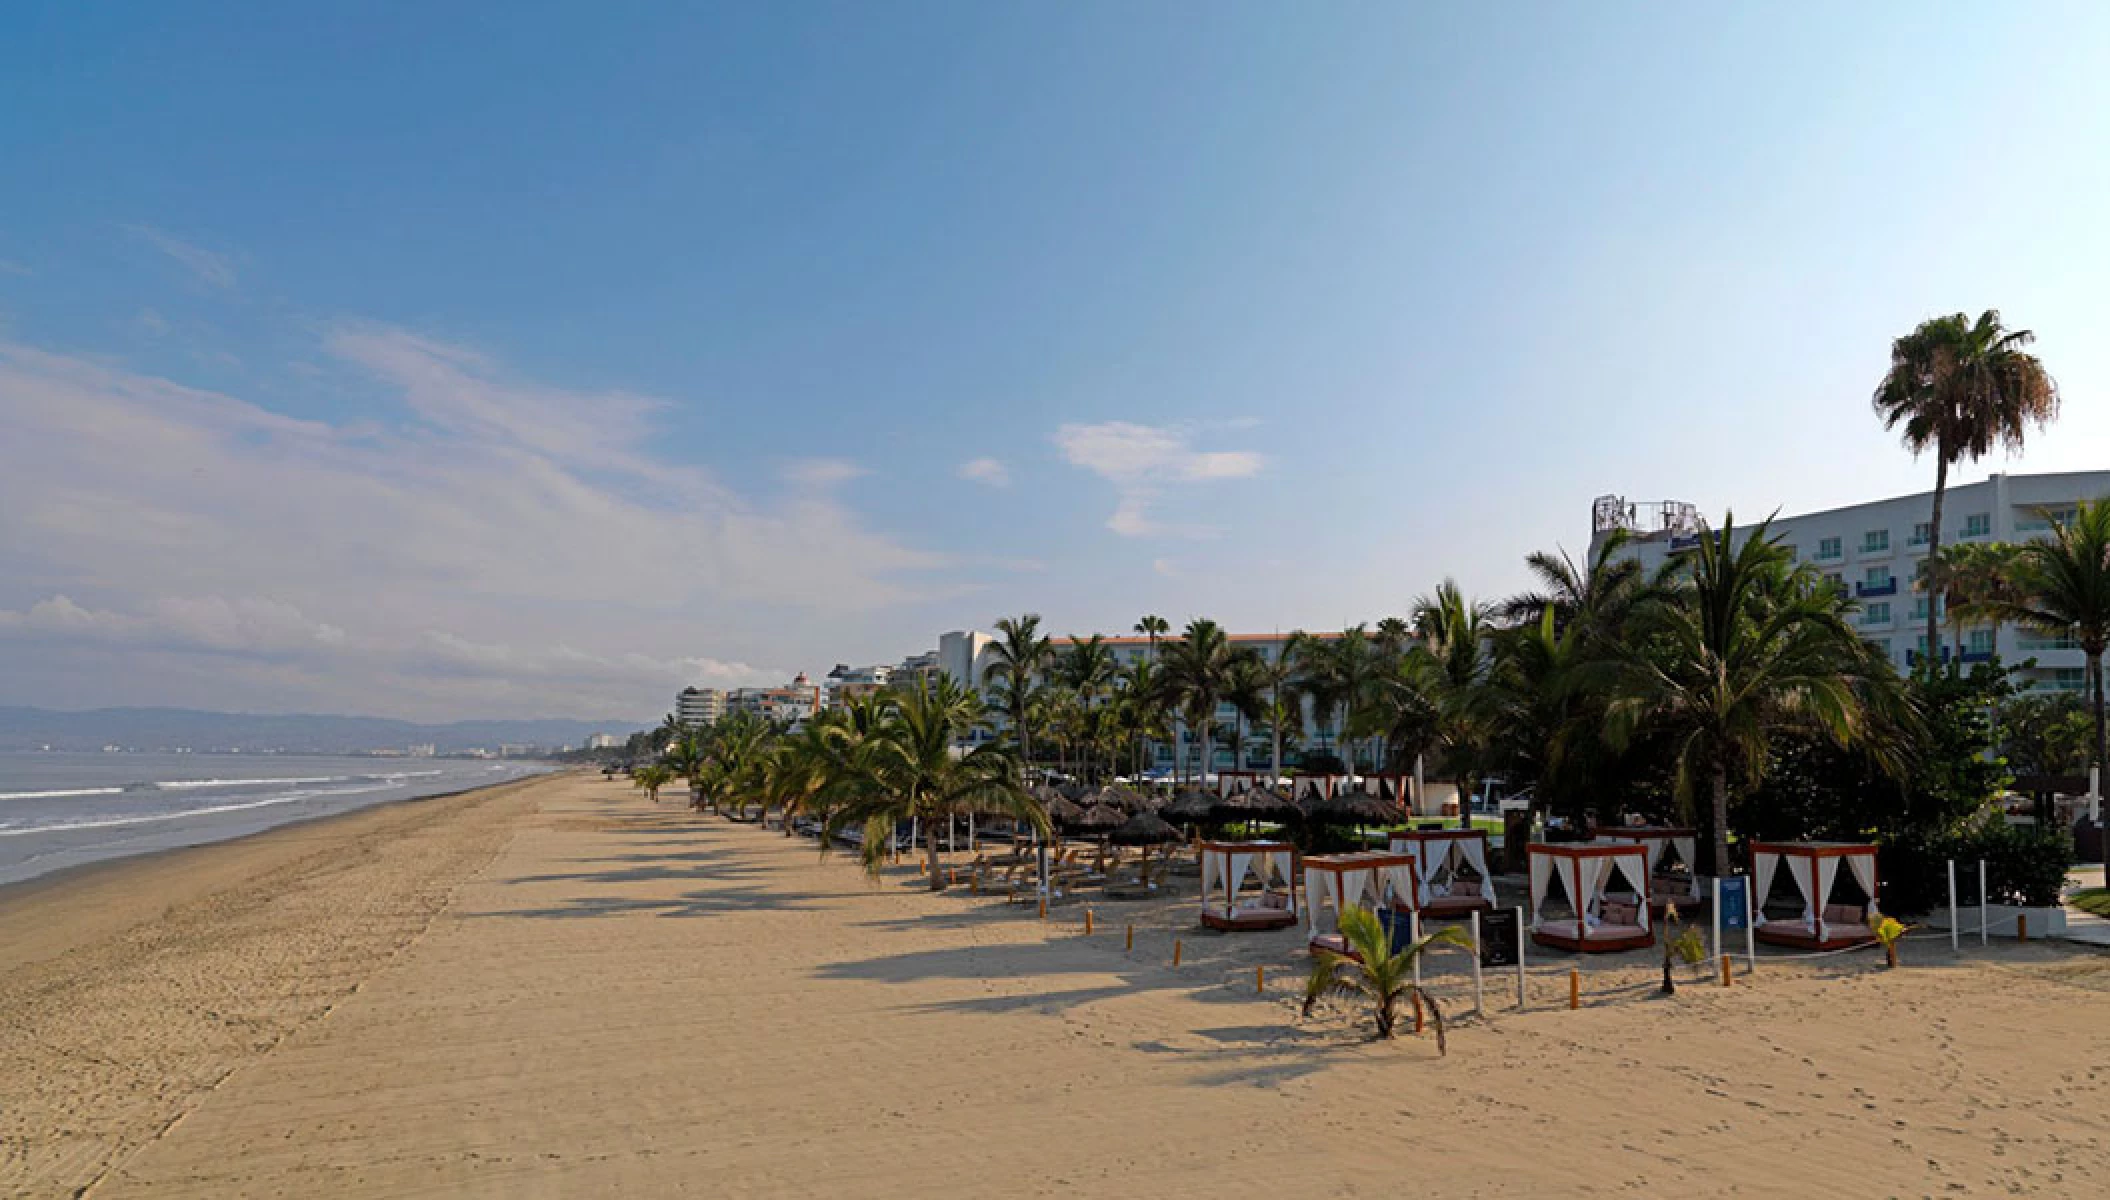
[[61, 810]]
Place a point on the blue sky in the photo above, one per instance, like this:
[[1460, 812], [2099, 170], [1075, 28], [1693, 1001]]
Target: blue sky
[[451, 360]]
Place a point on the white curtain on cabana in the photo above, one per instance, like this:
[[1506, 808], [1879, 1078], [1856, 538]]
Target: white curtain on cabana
[[1864, 868], [1234, 875], [1542, 866], [1396, 882], [1763, 864], [1800, 870], [1827, 872], [1475, 852], [1318, 888], [1212, 869], [1688, 850], [1587, 873], [1634, 869]]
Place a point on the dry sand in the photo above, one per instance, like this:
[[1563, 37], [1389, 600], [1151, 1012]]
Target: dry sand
[[553, 989]]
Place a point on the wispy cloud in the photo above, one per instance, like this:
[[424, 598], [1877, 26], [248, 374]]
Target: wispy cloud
[[9, 266], [1142, 460], [513, 549], [209, 266], [986, 470], [151, 321], [820, 473]]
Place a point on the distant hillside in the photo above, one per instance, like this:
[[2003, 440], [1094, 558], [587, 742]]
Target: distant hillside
[[171, 728]]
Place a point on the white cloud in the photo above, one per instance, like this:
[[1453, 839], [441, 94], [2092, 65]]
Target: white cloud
[[821, 472], [986, 470], [210, 267], [1165, 567], [153, 322], [512, 550], [1141, 461], [9, 266]]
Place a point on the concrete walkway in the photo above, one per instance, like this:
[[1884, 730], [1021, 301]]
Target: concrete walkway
[[2085, 927]]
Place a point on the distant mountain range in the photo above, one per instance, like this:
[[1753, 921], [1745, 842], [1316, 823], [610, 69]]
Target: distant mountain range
[[174, 728]]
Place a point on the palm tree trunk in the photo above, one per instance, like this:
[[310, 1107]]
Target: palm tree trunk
[[930, 856], [1721, 827], [2095, 684], [1941, 487]]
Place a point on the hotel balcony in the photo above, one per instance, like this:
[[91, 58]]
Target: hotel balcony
[[1877, 589]]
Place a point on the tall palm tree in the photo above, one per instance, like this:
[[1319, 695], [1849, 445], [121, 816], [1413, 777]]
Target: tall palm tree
[[1197, 666], [1739, 646], [2061, 585], [1598, 593], [1019, 662], [1972, 580], [1961, 387], [1153, 627], [1246, 687], [1313, 680], [1451, 666], [909, 771], [1145, 705]]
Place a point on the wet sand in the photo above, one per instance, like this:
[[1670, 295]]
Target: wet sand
[[553, 988]]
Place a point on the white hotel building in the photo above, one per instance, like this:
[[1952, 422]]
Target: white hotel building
[[1875, 550]]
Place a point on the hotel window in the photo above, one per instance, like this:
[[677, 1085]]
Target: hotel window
[[2031, 639], [2069, 679], [1828, 548], [1875, 541], [1878, 577], [1835, 579], [1877, 614], [1978, 525], [2038, 520], [1981, 641], [1919, 608], [1923, 533]]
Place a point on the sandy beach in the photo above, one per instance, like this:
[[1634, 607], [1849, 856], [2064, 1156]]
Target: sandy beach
[[553, 988]]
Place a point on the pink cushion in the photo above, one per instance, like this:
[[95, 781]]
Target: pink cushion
[[1465, 887], [1612, 913], [1843, 914]]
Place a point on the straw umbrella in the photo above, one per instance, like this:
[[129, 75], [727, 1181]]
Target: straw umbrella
[[1190, 807], [1256, 804], [1098, 821], [1351, 806], [1144, 830]]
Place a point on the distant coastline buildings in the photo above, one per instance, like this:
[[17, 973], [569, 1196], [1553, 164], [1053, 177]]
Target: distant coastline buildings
[[1875, 549]]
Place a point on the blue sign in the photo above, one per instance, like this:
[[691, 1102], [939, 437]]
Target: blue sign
[[1736, 903]]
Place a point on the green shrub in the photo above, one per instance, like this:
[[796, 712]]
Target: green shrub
[[2025, 865]]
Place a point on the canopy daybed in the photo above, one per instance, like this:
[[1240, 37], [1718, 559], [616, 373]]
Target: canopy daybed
[[1666, 843], [1230, 783], [1372, 879], [1225, 866], [1440, 890], [1585, 871], [1309, 789], [1814, 870]]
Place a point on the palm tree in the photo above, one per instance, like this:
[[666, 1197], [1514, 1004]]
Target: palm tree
[[1972, 579], [1153, 627], [651, 779], [1960, 388], [2061, 585], [1598, 594], [1450, 667], [1145, 705], [1087, 667], [686, 759], [1376, 972], [1246, 687], [909, 771], [1347, 670], [1739, 646], [1019, 660], [1197, 667]]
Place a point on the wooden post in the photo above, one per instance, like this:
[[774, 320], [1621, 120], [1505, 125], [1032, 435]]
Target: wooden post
[[1574, 987], [1416, 994], [1131, 936], [1175, 952], [1479, 989], [1725, 970], [2021, 927], [1260, 979], [1953, 922], [1043, 908], [1087, 922]]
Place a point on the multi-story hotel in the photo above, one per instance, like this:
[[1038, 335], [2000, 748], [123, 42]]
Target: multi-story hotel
[[698, 707], [1875, 550]]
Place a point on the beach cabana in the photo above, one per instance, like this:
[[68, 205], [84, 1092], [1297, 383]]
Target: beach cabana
[[1334, 883], [1230, 782], [1820, 873], [1586, 871], [1668, 846], [1310, 789], [1228, 905], [1439, 855]]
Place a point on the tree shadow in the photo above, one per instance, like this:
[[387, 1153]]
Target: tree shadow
[[714, 903]]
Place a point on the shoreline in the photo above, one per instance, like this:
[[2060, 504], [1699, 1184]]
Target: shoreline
[[178, 874]]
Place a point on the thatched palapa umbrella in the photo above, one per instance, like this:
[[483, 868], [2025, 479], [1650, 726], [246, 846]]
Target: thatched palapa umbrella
[[1256, 804], [1146, 831], [1190, 807]]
